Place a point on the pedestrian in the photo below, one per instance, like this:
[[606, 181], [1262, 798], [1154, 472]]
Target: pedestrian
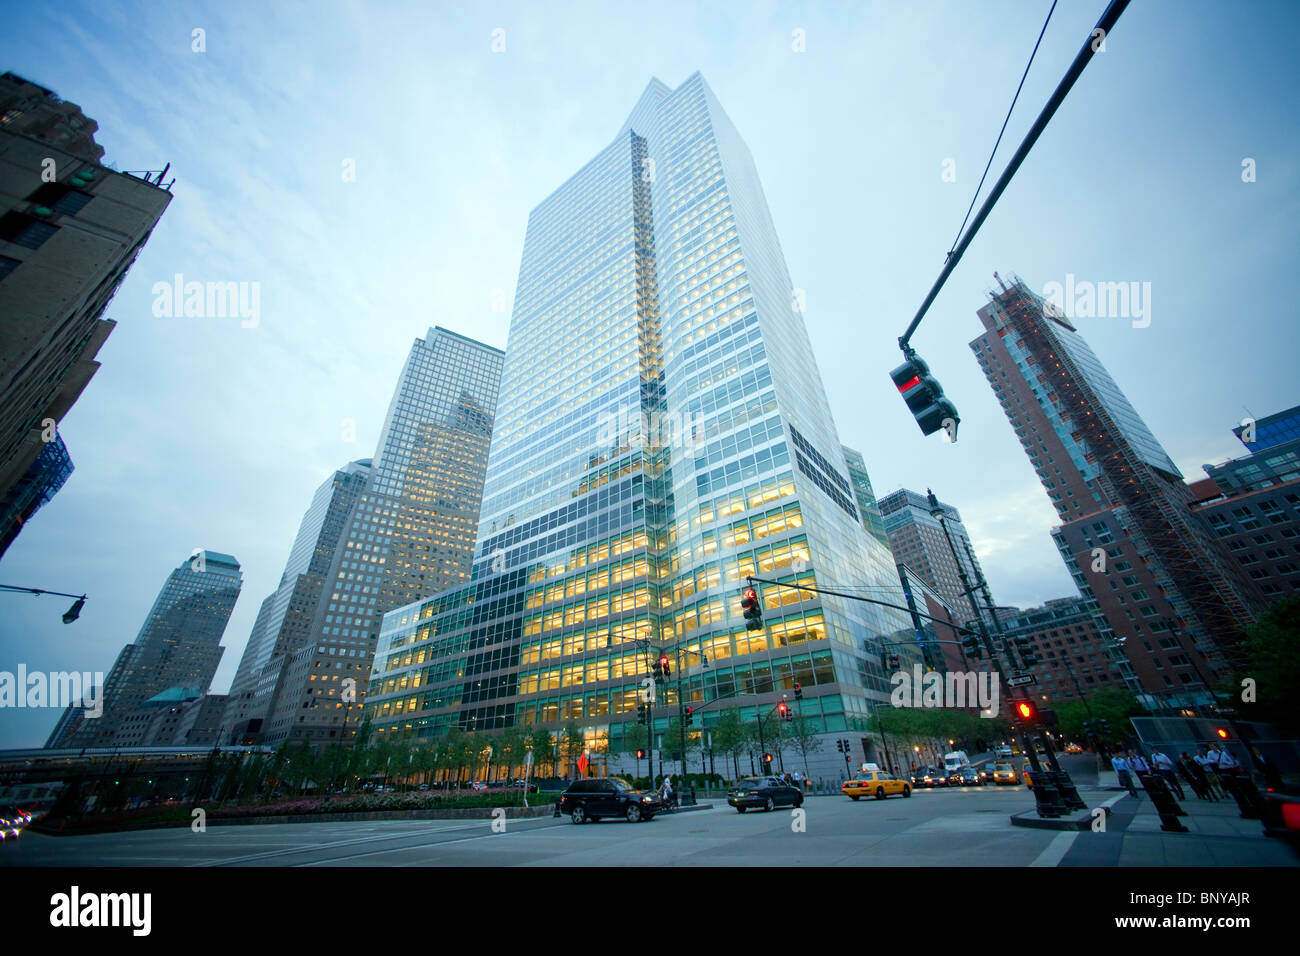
[[1228, 763], [1272, 777], [1165, 767], [1137, 763], [1187, 769], [1122, 771], [1194, 767], [1208, 758], [667, 789]]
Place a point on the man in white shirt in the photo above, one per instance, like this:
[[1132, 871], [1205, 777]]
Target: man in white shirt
[[1165, 767], [1121, 768]]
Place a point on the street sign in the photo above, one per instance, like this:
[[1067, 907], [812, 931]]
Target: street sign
[[1020, 680]]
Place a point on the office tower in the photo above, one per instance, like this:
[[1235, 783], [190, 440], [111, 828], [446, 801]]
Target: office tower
[[1252, 504], [283, 624], [179, 646], [42, 480], [868, 508], [663, 434], [411, 533], [917, 540], [1074, 659], [70, 228], [1166, 589]]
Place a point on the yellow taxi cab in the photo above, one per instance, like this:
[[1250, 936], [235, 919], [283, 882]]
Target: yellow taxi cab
[[874, 783], [1073, 749], [1004, 773]]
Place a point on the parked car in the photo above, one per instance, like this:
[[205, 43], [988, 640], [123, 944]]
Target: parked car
[[874, 783], [965, 777], [1003, 752], [478, 785], [600, 797], [751, 793]]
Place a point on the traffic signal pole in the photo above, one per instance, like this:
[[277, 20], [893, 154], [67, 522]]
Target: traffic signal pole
[[1091, 46]]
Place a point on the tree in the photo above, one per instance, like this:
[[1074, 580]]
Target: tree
[[730, 736], [802, 733], [673, 741], [543, 744], [1272, 651], [510, 748], [574, 745]]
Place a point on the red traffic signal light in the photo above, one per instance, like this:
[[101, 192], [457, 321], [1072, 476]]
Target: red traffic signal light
[[767, 758], [690, 716], [798, 691], [753, 612], [924, 396], [1223, 734], [1026, 712], [664, 666], [640, 754]]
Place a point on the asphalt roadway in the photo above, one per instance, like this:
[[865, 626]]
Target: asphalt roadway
[[966, 826]]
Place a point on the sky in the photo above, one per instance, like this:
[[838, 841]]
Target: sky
[[457, 119]]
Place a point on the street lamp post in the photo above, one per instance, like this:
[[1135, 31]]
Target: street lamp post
[[70, 615]]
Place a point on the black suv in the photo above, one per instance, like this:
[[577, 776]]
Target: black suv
[[608, 797]]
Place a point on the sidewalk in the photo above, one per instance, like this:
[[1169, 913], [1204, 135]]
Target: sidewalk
[[1218, 836]]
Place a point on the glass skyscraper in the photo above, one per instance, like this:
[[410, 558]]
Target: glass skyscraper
[[284, 620], [179, 645], [411, 533], [662, 435]]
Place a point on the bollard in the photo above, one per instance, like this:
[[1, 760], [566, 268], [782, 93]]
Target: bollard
[[1163, 800], [1047, 797], [1244, 791], [1068, 791]]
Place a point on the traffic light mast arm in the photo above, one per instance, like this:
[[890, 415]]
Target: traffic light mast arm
[[1091, 46], [858, 597]]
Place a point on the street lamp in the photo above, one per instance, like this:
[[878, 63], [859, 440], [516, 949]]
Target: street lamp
[[70, 615]]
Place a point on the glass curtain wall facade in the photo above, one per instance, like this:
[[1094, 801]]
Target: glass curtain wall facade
[[662, 435], [411, 533]]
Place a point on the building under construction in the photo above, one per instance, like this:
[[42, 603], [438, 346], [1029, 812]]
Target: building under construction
[[1173, 601]]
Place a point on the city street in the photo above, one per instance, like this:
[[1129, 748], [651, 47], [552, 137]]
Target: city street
[[944, 827]]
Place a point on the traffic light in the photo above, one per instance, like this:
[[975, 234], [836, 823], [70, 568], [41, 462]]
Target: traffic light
[[783, 709], [971, 643], [643, 713], [658, 669], [690, 716], [1028, 653], [665, 666], [1223, 733], [753, 611], [839, 745], [798, 691], [894, 662], [640, 755], [767, 759], [924, 396], [1025, 712]]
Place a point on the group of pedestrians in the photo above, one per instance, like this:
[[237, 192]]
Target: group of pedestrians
[[1203, 772]]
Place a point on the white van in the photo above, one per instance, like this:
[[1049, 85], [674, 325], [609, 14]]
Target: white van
[[955, 760]]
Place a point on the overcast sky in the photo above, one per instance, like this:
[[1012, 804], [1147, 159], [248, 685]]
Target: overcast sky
[[207, 433]]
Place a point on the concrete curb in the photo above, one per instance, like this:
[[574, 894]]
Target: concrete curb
[[467, 813]]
